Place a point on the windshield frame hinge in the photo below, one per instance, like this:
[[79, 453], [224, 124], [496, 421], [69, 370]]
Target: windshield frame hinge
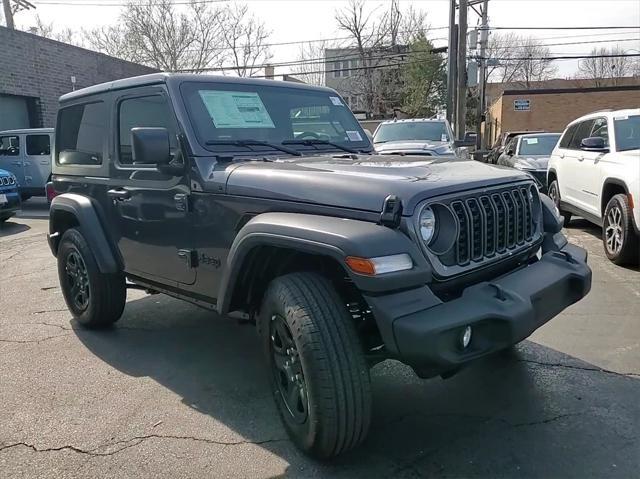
[[391, 214]]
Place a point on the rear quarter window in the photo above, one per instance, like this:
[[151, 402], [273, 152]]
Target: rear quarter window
[[81, 134]]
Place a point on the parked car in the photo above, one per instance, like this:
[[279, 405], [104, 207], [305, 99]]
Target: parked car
[[594, 172], [530, 153], [419, 136], [500, 145], [27, 154], [9, 196], [206, 189]]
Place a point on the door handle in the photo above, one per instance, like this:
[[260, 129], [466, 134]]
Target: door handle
[[119, 194], [581, 158], [17, 163]]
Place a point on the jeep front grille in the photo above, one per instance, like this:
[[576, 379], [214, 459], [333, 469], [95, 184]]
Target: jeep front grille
[[491, 224]]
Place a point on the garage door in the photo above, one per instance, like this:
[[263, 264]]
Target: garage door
[[14, 113]]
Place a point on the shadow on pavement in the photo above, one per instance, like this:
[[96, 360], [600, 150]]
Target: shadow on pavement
[[12, 227], [534, 412]]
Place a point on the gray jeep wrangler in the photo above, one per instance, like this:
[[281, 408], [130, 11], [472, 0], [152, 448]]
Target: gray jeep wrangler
[[265, 199]]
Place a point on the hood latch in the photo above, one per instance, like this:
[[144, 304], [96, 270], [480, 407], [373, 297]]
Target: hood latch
[[391, 212]]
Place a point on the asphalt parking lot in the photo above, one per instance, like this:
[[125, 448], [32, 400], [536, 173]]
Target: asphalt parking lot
[[174, 391]]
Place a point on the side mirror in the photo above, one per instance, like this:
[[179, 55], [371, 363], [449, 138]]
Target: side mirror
[[594, 143], [510, 152], [150, 146], [462, 143]]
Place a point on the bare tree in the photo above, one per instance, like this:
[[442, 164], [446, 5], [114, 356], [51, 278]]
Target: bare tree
[[49, 30], [379, 39], [311, 66], [245, 38], [157, 34], [606, 71], [519, 59]]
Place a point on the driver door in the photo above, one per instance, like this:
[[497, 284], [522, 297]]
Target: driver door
[[150, 208]]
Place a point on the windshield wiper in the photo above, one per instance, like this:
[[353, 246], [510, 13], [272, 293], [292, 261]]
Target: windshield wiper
[[314, 142], [250, 143]]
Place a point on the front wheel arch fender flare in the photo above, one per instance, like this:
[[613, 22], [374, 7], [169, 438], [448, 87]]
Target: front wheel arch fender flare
[[324, 236]]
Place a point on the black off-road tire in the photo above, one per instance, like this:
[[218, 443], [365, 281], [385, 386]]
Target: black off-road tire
[[333, 367], [107, 293], [554, 194], [618, 221]]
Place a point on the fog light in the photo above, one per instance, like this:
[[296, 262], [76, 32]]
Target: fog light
[[465, 338]]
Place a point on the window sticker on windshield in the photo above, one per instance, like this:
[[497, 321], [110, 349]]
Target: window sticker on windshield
[[443, 137], [236, 109], [354, 136], [621, 118], [336, 101], [531, 141]]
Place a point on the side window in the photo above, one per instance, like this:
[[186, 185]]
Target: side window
[[568, 135], [81, 134], [601, 129], [583, 131], [9, 145], [511, 145], [38, 145], [148, 111]]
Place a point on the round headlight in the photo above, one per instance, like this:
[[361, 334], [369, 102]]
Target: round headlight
[[427, 224]]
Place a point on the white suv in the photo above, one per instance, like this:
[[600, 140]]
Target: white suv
[[594, 172]]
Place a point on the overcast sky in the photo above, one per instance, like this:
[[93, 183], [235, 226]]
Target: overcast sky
[[299, 20]]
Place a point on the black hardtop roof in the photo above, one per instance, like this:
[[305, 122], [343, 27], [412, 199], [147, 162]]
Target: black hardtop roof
[[157, 78]]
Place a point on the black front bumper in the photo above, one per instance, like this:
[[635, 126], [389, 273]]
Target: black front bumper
[[424, 332]]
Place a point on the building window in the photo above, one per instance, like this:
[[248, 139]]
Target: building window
[[337, 69]]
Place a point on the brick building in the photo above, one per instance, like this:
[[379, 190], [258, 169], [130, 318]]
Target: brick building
[[36, 71], [552, 109]]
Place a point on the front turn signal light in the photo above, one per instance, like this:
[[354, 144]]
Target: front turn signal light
[[379, 265]]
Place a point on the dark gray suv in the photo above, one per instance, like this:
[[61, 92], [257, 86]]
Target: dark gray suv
[[264, 198]]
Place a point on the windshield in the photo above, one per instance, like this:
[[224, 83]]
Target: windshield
[[627, 130], [408, 131], [538, 145], [224, 113]]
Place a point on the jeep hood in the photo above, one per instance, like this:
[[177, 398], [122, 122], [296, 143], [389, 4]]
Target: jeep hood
[[427, 147], [364, 183]]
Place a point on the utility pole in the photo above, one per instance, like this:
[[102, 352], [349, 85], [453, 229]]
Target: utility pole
[[8, 14], [481, 142], [461, 108], [452, 62]]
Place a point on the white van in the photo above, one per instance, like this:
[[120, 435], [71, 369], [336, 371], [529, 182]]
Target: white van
[[27, 154]]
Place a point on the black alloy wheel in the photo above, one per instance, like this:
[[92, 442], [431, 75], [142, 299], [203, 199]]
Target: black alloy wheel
[[287, 370], [78, 280]]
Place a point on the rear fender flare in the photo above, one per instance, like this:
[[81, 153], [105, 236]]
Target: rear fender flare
[[87, 217]]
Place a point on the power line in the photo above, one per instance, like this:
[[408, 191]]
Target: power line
[[506, 47], [611, 27], [119, 4], [570, 57]]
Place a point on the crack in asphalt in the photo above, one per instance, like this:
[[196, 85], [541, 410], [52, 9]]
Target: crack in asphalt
[[579, 368], [411, 465], [132, 442], [31, 341]]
